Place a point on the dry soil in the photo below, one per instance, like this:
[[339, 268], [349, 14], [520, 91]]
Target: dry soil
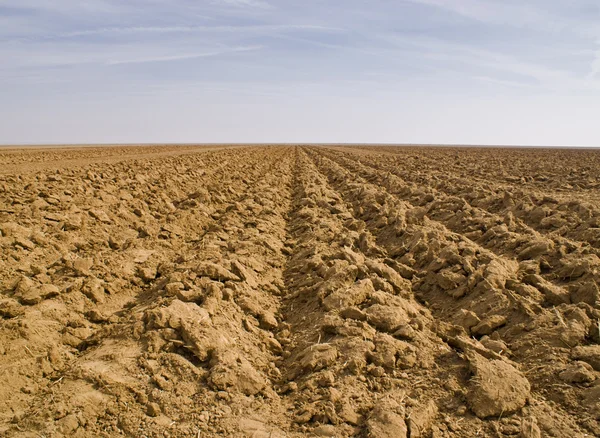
[[291, 291]]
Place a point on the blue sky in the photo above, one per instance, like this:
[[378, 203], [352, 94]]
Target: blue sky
[[399, 71]]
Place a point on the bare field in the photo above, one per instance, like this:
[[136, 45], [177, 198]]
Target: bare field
[[291, 291]]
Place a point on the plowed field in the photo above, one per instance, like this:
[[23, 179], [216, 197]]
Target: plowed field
[[292, 291]]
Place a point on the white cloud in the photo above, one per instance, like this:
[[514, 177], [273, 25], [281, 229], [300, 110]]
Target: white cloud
[[190, 29], [502, 82], [246, 3], [595, 65], [268, 29], [180, 57], [549, 77], [65, 7], [517, 14]]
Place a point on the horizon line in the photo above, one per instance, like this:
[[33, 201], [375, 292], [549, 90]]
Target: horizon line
[[464, 145]]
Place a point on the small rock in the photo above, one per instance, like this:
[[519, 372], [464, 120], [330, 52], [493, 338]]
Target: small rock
[[348, 414], [68, 424], [381, 284], [291, 387], [400, 284], [337, 278], [251, 428], [495, 345], [467, 319], [406, 332], [24, 243], [352, 296], [578, 372], [82, 266], [223, 395], [176, 314], [325, 430], [72, 223], [449, 280], [497, 388], [353, 313], [96, 317], [193, 295], [249, 305], [174, 288], [94, 290], [535, 250], [589, 354], [386, 318], [587, 293], [376, 371], [404, 270], [351, 256], [245, 274], [28, 389], [385, 422], [215, 272], [30, 297], [55, 357], [49, 291], [529, 428], [115, 242], [153, 410], [37, 269], [317, 357], [142, 255], [100, 215], [10, 308], [529, 267], [421, 419], [147, 274], [488, 325], [230, 371], [268, 320], [13, 229], [387, 349], [554, 295], [23, 285]]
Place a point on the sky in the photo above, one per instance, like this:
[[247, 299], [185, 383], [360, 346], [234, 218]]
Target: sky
[[514, 72]]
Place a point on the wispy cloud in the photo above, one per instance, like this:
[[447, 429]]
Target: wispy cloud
[[460, 54], [503, 82], [180, 57], [190, 29], [64, 7], [137, 30], [246, 3], [595, 65], [542, 16]]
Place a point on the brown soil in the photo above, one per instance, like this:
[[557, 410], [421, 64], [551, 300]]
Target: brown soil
[[293, 291]]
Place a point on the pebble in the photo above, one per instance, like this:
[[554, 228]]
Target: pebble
[[153, 409]]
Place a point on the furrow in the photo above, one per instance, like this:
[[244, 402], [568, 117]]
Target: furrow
[[567, 213], [200, 330], [356, 343], [59, 286], [478, 293], [572, 272]]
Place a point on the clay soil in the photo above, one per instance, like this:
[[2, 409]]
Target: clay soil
[[291, 291]]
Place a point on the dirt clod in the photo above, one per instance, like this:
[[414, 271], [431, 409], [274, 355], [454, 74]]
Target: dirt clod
[[496, 388]]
